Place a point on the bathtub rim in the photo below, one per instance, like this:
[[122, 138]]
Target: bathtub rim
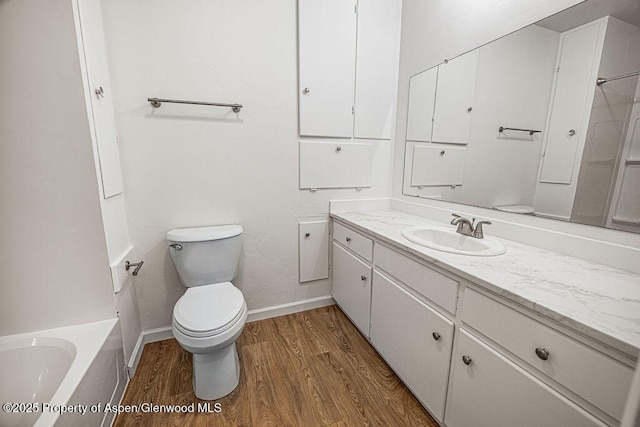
[[88, 339]]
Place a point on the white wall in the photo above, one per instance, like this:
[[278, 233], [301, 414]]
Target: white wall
[[190, 166], [54, 263], [512, 88]]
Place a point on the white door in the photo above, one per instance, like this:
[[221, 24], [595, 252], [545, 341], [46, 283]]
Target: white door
[[422, 100], [491, 391], [101, 96], [454, 99], [378, 34], [326, 56], [352, 287], [414, 339], [564, 133]]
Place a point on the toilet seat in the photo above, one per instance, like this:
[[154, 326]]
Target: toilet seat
[[519, 209], [210, 310]]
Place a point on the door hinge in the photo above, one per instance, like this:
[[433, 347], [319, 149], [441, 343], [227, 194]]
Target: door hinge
[[353, 110], [355, 8]]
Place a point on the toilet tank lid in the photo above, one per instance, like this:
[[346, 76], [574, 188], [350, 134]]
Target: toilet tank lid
[[202, 234]]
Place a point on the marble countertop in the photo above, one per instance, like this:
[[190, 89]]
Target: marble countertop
[[598, 301]]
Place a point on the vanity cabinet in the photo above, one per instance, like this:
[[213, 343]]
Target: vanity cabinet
[[471, 357], [414, 339], [351, 279], [488, 390], [347, 54]]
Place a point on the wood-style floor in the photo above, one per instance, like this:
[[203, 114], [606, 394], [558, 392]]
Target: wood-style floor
[[306, 369]]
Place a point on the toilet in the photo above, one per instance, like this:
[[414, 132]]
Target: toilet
[[211, 314], [519, 209]]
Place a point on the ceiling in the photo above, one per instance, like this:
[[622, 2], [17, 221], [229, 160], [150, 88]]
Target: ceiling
[[590, 10]]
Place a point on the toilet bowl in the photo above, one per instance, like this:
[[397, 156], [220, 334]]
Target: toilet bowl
[[211, 314]]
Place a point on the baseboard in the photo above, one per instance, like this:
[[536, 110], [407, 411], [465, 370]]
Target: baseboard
[[161, 334], [153, 335], [289, 308]]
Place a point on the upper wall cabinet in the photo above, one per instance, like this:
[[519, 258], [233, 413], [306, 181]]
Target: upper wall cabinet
[[343, 93], [441, 101], [99, 89], [454, 99]]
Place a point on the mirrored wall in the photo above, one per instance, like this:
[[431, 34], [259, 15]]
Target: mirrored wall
[[544, 121]]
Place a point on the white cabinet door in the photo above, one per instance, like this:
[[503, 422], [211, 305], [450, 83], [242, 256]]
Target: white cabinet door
[[578, 49], [101, 96], [326, 55], [422, 100], [493, 392], [414, 339], [352, 287], [454, 99], [313, 247], [378, 25], [335, 164]]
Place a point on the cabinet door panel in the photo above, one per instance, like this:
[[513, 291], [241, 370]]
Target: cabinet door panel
[[576, 59], [402, 329], [327, 54], [454, 97], [350, 290], [101, 102], [493, 392], [422, 99], [378, 22]]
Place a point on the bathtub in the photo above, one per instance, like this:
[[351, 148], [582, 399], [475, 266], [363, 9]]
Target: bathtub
[[45, 373]]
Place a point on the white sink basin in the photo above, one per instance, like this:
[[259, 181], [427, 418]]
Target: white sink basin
[[447, 240]]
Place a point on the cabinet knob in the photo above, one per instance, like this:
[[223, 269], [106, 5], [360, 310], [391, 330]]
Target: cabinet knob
[[338, 148], [306, 90], [348, 239], [466, 360], [436, 336], [100, 92], [307, 234], [469, 109], [542, 353], [572, 132], [442, 153], [363, 278]]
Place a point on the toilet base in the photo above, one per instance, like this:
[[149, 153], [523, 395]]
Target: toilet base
[[217, 373]]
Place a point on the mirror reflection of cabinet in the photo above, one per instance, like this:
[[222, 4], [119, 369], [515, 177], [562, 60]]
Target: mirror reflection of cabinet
[[441, 101], [454, 99]]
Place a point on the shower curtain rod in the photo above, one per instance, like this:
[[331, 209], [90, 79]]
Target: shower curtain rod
[[602, 80]]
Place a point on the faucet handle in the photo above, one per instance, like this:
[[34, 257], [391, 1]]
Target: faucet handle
[[477, 232], [455, 216]]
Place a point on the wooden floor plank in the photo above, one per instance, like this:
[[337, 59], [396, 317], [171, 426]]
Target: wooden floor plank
[[306, 369]]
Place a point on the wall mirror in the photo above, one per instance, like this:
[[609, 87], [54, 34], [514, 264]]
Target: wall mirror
[[544, 121]]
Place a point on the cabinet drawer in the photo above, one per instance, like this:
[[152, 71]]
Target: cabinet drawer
[[597, 378], [437, 287], [491, 391], [414, 339], [355, 241], [352, 287]]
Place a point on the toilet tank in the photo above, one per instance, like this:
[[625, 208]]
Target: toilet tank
[[205, 255]]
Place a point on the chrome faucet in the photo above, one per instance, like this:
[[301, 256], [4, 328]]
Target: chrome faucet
[[469, 228], [465, 226]]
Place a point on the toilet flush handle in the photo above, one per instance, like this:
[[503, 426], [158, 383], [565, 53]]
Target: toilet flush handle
[[176, 246]]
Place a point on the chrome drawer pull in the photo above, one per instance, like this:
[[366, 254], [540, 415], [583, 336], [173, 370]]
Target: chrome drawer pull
[[436, 336], [363, 278], [542, 353], [466, 360], [348, 239]]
